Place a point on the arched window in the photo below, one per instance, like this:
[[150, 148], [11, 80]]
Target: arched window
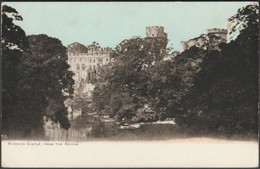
[[78, 67], [107, 59], [83, 67]]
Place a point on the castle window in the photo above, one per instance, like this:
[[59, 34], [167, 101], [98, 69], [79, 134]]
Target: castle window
[[89, 60], [107, 59], [93, 60], [152, 35], [83, 67], [78, 67]]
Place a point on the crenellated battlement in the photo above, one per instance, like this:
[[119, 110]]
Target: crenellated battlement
[[217, 30], [155, 27], [155, 31], [200, 41]]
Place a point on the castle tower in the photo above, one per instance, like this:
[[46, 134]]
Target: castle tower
[[218, 32], [155, 31]]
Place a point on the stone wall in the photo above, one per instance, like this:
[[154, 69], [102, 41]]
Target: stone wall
[[85, 63], [204, 41]]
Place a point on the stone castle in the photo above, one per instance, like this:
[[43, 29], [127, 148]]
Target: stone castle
[[210, 40], [156, 31], [84, 62]]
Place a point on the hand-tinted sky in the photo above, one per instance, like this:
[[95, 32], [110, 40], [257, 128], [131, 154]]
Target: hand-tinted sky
[[108, 23]]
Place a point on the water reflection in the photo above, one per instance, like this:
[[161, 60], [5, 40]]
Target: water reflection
[[83, 127], [93, 127]]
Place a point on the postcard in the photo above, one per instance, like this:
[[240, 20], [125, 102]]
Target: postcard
[[129, 84]]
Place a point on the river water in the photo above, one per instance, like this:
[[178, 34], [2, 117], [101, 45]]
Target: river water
[[83, 127], [93, 127]]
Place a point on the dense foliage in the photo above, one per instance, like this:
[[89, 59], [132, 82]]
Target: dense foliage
[[52, 82], [13, 44], [81, 103], [208, 89], [171, 81], [36, 80], [224, 94], [122, 85]]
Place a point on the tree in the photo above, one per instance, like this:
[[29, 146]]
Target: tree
[[122, 86], [13, 44], [224, 95], [36, 80], [246, 19], [46, 80], [83, 102], [171, 81]]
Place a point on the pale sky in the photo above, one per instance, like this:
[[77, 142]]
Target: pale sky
[[108, 23]]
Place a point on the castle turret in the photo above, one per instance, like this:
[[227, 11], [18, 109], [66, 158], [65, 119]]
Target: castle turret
[[155, 31], [218, 32]]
